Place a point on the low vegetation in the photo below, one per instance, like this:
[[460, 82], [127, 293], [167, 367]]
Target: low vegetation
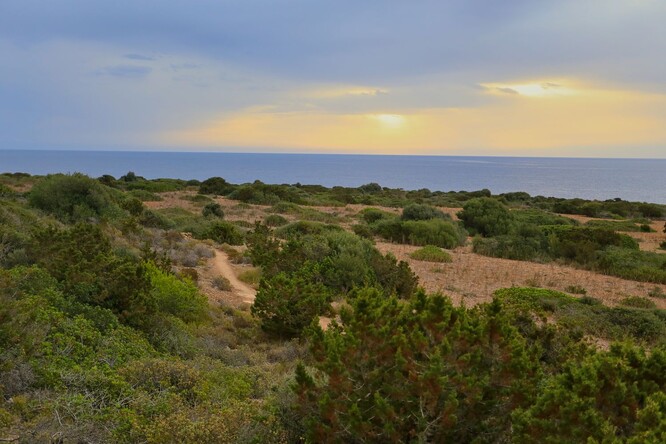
[[430, 253], [106, 336]]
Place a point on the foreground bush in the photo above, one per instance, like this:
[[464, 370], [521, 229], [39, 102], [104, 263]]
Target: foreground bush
[[423, 371], [285, 305]]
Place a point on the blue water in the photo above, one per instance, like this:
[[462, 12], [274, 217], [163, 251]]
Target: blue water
[[630, 179]]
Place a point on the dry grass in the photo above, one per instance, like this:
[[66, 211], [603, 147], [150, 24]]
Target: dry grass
[[473, 278]]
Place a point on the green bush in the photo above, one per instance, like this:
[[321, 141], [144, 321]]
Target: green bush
[[215, 185], [420, 371], [285, 305], [637, 302], [222, 283], [372, 215], [511, 246], [221, 232], [73, 198], [275, 220], [438, 232], [176, 297], [212, 210], [145, 196], [575, 289], [430, 253], [301, 228], [633, 264], [422, 212], [487, 217], [251, 276]]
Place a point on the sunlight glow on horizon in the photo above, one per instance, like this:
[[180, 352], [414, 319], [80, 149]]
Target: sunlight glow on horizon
[[580, 117]]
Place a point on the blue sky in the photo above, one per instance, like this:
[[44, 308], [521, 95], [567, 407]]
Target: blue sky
[[584, 77]]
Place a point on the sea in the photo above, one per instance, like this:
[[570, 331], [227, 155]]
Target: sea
[[641, 180]]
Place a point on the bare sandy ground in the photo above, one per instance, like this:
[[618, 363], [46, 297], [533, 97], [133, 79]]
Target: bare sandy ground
[[472, 278], [241, 294]]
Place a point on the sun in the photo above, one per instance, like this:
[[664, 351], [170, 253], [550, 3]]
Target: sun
[[392, 121]]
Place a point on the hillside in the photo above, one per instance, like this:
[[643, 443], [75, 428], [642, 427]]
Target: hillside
[[136, 310]]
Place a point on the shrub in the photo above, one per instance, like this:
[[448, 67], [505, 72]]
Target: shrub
[[511, 246], [212, 210], [422, 212], [434, 372], [189, 273], [363, 230], [133, 206], [221, 232], [372, 215], [304, 227], [487, 217], [215, 185], [637, 302], [72, 198], [633, 264], [657, 292], [275, 220], [589, 300], [575, 289], [251, 276], [176, 297], [222, 283], [438, 232], [285, 305], [430, 253], [145, 196]]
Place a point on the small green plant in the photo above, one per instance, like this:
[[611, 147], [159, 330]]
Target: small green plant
[[589, 300], [663, 245], [645, 228], [657, 292], [430, 253], [251, 276], [637, 302], [575, 289], [222, 283]]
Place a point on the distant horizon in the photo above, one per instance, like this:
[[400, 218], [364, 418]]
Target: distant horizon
[[318, 153], [590, 178]]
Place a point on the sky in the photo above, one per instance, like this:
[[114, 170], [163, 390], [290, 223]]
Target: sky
[[448, 77]]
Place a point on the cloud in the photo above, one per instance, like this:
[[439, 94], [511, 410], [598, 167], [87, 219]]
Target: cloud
[[170, 66], [126, 71], [139, 57]]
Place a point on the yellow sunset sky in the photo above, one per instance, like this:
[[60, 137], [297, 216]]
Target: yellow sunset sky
[[455, 77]]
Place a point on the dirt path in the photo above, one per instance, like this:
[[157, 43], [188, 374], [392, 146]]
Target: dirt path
[[222, 266]]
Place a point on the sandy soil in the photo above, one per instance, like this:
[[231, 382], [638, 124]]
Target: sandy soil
[[472, 278], [241, 294]]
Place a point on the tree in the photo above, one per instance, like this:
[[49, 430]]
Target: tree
[[422, 371], [286, 304], [608, 397]]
